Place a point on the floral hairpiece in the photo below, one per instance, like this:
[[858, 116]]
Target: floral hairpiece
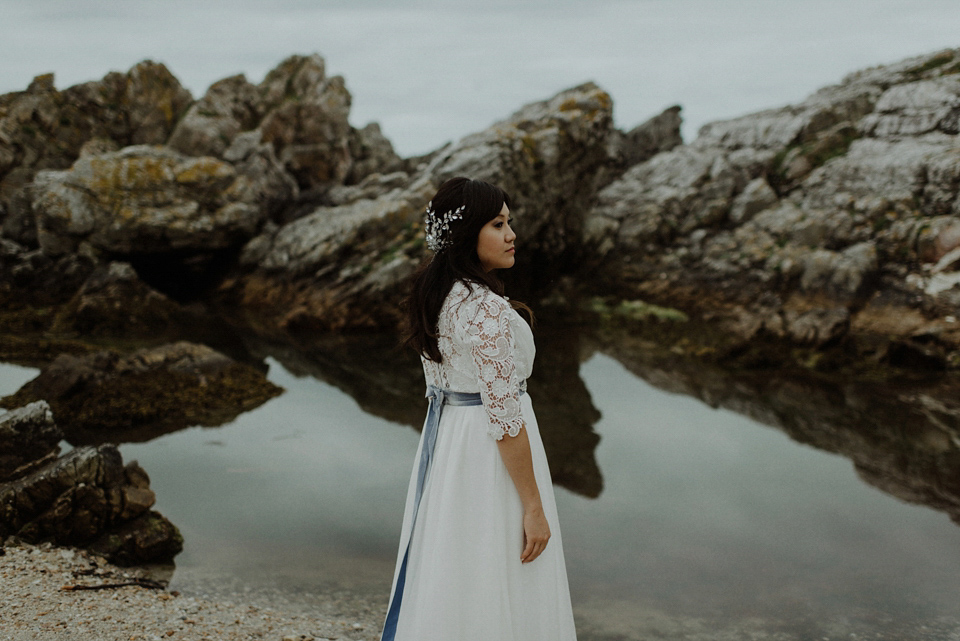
[[438, 226]]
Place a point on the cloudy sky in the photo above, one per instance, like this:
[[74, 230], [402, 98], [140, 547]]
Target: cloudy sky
[[433, 71]]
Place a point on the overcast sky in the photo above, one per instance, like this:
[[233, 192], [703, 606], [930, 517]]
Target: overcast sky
[[432, 71]]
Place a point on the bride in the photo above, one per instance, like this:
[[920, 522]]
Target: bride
[[480, 551]]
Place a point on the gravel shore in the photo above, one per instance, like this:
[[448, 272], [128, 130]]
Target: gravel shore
[[45, 595]]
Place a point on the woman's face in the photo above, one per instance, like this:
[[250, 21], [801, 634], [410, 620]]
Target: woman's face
[[495, 242]]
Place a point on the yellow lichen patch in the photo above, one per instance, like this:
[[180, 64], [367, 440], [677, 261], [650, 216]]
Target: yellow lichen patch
[[144, 173], [204, 170]]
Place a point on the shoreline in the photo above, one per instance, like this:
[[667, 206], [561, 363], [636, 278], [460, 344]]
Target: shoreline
[[35, 607]]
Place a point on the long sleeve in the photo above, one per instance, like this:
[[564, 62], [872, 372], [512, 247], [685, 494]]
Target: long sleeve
[[493, 348]]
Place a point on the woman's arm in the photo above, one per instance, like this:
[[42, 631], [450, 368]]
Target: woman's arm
[[515, 451]]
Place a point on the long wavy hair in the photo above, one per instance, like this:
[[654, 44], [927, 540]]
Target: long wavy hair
[[457, 261]]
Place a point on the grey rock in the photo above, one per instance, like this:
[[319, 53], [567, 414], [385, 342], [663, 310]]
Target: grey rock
[[816, 327], [83, 498], [836, 199], [646, 140], [230, 106], [145, 199], [27, 434], [372, 153], [345, 265], [43, 128], [756, 196]]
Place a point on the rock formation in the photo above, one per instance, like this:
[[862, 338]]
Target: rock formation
[[344, 266], [86, 497], [843, 208], [107, 397]]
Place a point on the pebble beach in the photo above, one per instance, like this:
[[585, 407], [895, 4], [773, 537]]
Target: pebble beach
[[47, 594]]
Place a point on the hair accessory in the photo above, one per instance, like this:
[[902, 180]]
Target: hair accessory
[[438, 226]]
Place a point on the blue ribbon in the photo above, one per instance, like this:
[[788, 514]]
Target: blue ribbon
[[438, 398]]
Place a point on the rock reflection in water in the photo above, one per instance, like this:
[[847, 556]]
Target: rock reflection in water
[[902, 438], [386, 380]]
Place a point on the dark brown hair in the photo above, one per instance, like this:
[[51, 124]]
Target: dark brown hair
[[456, 261]]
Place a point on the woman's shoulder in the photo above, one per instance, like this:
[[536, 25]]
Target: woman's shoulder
[[476, 294]]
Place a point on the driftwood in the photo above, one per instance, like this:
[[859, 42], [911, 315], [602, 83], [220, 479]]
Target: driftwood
[[143, 583]]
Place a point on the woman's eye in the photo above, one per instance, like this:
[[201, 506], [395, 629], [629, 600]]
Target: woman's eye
[[498, 225]]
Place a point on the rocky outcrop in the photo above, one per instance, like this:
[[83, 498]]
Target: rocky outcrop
[[300, 113], [114, 302], [89, 498], [845, 201], [108, 397], [27, 435], [43, 128], [345, 266], [145, 199]]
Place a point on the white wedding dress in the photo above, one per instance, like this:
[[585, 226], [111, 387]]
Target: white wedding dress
[[463, 579]]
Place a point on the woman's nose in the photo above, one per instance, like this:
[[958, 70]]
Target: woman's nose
[[511, 235]]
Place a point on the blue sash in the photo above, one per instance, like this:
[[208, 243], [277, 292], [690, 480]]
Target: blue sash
[[438, 398]]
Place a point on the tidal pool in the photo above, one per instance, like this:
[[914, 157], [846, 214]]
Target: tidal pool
[[703, 523]]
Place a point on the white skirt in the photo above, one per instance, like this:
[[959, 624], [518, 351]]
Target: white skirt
[[464, 579]]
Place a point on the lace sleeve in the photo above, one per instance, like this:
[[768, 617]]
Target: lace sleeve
[[492, 347]]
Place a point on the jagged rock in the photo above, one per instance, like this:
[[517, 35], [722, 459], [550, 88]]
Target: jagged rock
[[816, 327], [115, 302], [843, 274], [660, 133], [853, 189], [344, 266], [43, 128], [308, 127], [85, 498], [144, 199], [755, 197], [372, 153], [31, 277], [299, 113], [27, 434], [370, 188], [150, 538], [107, 397], [230, 106]]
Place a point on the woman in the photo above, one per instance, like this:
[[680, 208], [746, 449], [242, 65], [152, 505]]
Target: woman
[[480, 553]]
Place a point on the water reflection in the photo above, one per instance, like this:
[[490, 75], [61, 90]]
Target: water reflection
[[387, 381], [902, 437]]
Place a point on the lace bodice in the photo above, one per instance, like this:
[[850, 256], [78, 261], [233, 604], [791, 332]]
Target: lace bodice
[[486, 347]]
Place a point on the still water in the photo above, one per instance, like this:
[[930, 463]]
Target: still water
[[702, 523]]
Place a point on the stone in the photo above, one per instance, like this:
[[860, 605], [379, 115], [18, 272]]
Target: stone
[[31, 277], [345, 265], [816, 327], [372, 154], [834, 198], [229, 107], [756, 196], [82, 499], [150, 392], [144, 199], [27, 434], [114, 302], [646, 140], [43, 128]]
